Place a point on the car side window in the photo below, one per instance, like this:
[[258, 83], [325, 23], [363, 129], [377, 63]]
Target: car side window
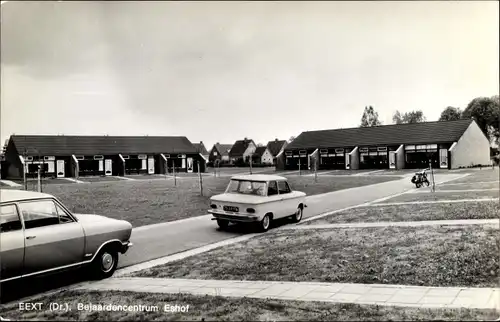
[[272, 188], [64, 217], [39, 213], [283, 187], [9, 219]]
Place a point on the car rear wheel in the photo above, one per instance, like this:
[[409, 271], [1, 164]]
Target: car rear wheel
[[265, 223], [105, 263], [222, 223], [297, 217]]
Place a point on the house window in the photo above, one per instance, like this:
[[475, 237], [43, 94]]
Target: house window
[[167, 156], [323, 151], [289, 153], [421, 147], [29, 158], [382, 149], [98, 157], [142, 156], [215, 153], [79, 157], [302, 152], [179, 155], [126, 157], [410, 147], [49, 158], [363, 150], [339, 150]]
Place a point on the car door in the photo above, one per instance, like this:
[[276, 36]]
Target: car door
[[274, 200], [52, 237], [287, 198], [11, 242]]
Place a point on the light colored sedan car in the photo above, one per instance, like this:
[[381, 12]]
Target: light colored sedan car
[[257, 199], [40, 235]]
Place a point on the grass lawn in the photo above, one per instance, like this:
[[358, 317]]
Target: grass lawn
[[443, 195], [214, 308], [415, 212], [430, 256], [467, 186], [99, 179], [158, 200], [487, 174]]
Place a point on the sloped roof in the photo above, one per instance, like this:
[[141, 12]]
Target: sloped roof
[[239, 147], [63, 145], [275, 146], [223, 149], [259, 151], [200, 147], [416, 133]]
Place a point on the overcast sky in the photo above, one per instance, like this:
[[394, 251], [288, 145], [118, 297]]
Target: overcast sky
[[221, 71]]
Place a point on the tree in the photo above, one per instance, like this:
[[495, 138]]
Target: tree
[[370, 117], [408, 117], [451, 114], [291, 139], [486, 112]]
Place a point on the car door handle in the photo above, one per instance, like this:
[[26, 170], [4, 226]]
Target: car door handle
[[30, 237]]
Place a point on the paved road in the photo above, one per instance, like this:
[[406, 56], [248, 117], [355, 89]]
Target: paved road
[[155, 241]]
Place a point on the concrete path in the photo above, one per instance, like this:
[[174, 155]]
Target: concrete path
[[159, 240], [431, 202], [459, 222], [455, 191], [378, 294], [10, 183]]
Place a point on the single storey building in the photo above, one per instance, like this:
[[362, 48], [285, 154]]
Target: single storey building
[[74, 156], [447, 145]]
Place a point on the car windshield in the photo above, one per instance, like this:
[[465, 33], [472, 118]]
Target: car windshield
[[247, 187]]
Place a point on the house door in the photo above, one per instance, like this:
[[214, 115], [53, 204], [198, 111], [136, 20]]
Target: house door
[[392, 159], [60, 168], [151, 165], [101, 165], [347, 161], [108, 167], [189, 164], [443, 158], [183, 163]]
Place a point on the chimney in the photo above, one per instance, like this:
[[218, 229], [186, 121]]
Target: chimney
[[201, 142], [276, 140], [217, 143]]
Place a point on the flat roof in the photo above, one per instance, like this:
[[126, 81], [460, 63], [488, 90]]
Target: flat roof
[[9, 195], [259, 177]]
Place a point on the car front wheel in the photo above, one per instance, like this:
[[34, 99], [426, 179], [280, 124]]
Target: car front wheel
[[297, 217], [105, 263]]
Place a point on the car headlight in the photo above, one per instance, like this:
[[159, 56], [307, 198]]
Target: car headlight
[[213, 206], [251, 210]]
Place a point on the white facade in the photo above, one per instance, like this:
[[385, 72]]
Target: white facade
[[267, 157], [473, 148]]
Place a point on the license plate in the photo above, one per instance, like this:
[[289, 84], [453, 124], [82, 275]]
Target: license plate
[[230, 208]]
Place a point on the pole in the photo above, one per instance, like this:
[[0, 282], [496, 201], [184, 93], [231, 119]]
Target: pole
[[251, 157], [432, 175], [39, 181], [173, 172], [315, 171], [215, 167], [166, 170], [300, 172], [201, 180], [25, 181]]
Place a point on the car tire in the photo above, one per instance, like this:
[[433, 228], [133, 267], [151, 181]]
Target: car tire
[[105, 263], [222, 223], [265, 223], [297, 217]]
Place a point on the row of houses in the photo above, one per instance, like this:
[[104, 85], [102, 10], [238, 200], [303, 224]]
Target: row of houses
[[74, 156], [445, 145], [245, 151]]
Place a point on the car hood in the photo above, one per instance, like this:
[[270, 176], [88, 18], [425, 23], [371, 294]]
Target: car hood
[[93, 218], [239, 198]]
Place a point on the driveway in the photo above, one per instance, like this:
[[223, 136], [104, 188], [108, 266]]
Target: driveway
[[155, 241]]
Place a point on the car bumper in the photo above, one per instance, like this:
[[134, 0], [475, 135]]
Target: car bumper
[[125, 247], [235, 218]]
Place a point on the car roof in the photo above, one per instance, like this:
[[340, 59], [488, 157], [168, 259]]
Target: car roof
[[259, 177], [10, 195]]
